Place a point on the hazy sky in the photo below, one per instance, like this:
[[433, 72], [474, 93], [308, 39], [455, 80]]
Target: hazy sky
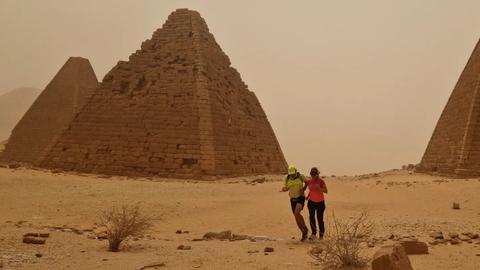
[[348, 86]]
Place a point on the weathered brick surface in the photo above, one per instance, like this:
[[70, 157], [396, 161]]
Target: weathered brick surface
[[175, 109], [51, 112], [454, 148]]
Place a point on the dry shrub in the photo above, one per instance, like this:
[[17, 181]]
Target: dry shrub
[[123, 222], [341, 246]]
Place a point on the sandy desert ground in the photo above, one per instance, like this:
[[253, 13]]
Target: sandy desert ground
[[67, 206]]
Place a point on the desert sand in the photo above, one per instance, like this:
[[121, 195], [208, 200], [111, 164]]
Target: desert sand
[[67, 206]]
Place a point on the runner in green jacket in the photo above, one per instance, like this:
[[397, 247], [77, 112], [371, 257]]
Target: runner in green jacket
[[293, 183]]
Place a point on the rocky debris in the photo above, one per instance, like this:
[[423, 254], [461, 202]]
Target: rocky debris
[[33, 240], [413, 246], [268, 249], [43, 235], [471, 235], [453, 235], [392, 257], [1, 264], [436, 235], [183, 247], [260, 180], [38, 255], [454, 241], [456, 205], [153, 265], [225, 235], [14, 165], [197, 239], [182, 232], [228, 235], [253, 251], [239, 237]]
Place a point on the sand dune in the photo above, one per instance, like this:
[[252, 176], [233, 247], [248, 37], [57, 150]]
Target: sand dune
[[13, 106], [398, 203]]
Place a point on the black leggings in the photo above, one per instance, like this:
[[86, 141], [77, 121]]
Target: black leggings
[[319, 207]]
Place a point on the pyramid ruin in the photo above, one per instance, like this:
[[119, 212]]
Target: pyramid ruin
[[52, 111], [177, 109], [454, 148]]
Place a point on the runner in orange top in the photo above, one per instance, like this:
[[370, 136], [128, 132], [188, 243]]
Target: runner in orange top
[[316, 202]]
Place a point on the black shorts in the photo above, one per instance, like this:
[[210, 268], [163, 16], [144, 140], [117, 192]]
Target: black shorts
[[294, 201]]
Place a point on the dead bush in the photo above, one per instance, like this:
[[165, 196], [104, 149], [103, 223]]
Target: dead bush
[[123, 222], [341, 246]]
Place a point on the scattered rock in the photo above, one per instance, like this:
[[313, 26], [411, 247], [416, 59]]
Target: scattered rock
[[197, 239], [413, 246], [456, 206], [259, 180], [464, 238], [152, 265], [33, 240], [239, 237], [43, 235], [436, 235], [14, 165], [178, 232], [268, 249], [183, 247], [38, 255], [253, 251], [225, 235], [471, 235], [391, 257], [371, 244], [453, 235], [454, 241]]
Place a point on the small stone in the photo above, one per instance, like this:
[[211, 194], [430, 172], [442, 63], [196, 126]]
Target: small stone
[[178, 232], [413, 246], [253, 251], [454, 241], [38, 255], [371, 244], [464, 237], [239, 237], [225, 235], [436, 235], [391, 257], [183, 247], [197, 239], [453, 235], [456, 206], [33, 240], [471, 235], [269, 249]]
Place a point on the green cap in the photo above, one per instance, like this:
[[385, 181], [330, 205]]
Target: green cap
[[292, 170]]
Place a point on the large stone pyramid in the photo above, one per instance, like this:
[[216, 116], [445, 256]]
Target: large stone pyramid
[[52, 111], [175, 109], [454, 148]]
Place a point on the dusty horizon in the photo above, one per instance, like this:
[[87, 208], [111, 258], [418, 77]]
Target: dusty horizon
[[350, 89]]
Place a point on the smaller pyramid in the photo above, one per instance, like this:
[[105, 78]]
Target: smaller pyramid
[[454, 148], [51, 112]]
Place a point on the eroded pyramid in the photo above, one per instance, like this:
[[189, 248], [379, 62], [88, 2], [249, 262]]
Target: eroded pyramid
[[454, 148], [175, 109], [51, 112]]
